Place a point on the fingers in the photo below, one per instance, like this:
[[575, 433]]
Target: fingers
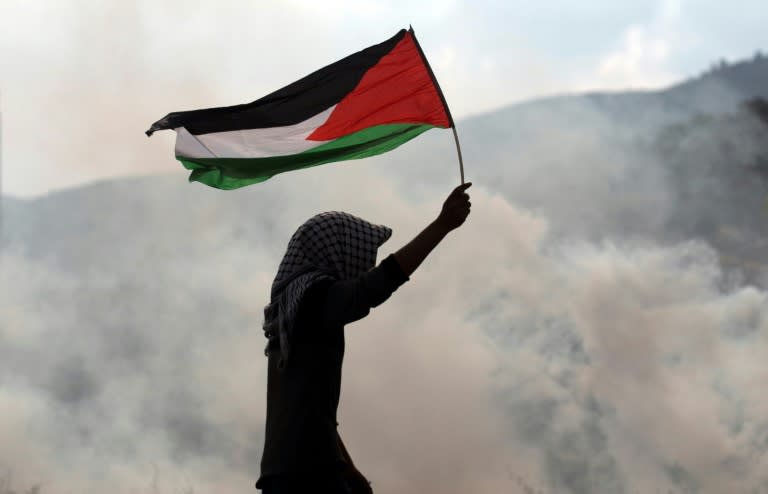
[[459, 206], [456, 207], [461, 188], [458, 201], [459, 192]]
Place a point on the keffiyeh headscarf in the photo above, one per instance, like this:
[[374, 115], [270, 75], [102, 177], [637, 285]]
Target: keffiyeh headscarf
[[332, 245]]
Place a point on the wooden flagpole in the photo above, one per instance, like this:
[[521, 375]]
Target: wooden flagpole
[[458, 150]]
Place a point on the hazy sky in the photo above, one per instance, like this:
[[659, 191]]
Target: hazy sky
[[77, 72], [130, 342]]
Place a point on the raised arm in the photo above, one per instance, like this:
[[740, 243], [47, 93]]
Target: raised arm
[[453, 214], [345, 301]]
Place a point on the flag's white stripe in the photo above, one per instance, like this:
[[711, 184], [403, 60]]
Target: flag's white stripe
[[251, 143]]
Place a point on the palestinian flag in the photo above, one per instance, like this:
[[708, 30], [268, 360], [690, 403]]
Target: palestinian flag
[[363, 105]]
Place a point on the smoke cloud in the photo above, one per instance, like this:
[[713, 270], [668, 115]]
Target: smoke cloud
[[514, 359], [598, 325]]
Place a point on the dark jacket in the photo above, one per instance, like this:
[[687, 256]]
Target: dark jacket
[[303, 398]]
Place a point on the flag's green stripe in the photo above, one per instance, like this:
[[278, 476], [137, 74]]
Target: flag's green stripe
[[233, 173]]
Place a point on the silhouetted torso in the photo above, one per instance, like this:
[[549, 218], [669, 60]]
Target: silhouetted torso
[[302, 398]]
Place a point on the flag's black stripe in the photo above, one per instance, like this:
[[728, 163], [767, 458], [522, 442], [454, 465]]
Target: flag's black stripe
[[432, 75], [290, 105]]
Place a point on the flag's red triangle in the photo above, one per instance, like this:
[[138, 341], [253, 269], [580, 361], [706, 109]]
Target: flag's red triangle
[[398, 89]]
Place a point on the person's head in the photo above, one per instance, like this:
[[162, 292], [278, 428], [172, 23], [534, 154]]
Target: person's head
[[335, 243], [332, 245]]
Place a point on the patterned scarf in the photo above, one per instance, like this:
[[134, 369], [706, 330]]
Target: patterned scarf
[[332, 245]]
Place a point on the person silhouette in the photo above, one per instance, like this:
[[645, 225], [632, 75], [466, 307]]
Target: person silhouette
[[328, 278]]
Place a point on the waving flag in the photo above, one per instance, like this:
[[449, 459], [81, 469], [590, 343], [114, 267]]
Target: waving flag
[[363, 105]]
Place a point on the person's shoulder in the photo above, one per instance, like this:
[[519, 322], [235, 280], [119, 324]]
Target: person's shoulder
[[311, 309], [317, 289], [314, 296]]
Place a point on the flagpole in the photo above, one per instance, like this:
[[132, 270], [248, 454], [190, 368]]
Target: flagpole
[[458, 150]]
